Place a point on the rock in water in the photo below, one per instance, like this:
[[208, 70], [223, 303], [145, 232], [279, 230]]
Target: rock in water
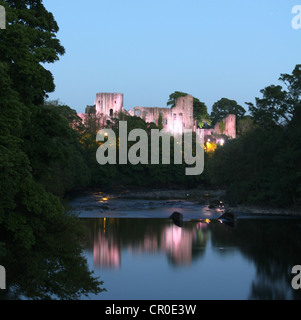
[[177, 219], [229, 219]]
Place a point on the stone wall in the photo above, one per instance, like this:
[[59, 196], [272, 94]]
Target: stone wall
[[230, 127], [174, 120], [109, 104]]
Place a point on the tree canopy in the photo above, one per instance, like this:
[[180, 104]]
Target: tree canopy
[[262, 166], [28, 42], [277, 105], [37, 145], [223, 108]]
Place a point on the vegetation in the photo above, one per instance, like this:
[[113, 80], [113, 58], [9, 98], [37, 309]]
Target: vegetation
[[224, 107], [262, 166], [39, 158], [140, 175]]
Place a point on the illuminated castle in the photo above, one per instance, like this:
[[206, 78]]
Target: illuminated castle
[[175, 120]]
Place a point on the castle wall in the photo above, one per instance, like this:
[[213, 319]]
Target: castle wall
[[174, 120], [109, 103], [230, 126], [182, 114]]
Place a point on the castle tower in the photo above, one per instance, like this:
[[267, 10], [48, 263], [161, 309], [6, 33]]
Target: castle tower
[[109, 104], [182, 114], [231, 126]]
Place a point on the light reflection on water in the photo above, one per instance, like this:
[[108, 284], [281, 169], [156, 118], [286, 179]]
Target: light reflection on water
[[143, 259]]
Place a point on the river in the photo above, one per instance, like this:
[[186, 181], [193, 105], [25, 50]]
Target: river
[[141, 254]]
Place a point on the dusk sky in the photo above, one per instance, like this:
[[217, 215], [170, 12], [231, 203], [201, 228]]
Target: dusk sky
[[148, 49]]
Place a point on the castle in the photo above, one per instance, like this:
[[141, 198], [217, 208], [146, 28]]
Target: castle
[[175, 120]]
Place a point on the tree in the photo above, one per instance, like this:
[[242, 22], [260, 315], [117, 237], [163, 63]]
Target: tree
[[32, 219], [200, 112], [222, 127], [276, 107], [262, 166], [54, 150], [174, 97], [244, 125], [28, 42], [224, 107]]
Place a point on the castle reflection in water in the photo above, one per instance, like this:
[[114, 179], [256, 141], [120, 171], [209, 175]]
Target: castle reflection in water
[[108, 238]]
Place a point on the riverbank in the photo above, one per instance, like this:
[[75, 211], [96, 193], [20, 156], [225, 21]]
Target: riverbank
[[212, 198], [159, 203]]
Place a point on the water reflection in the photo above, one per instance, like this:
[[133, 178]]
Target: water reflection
[[106, 251], [260, 253], [108, 237]]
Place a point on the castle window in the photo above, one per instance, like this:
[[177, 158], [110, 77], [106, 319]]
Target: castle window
[[175, 116], [137, 113], [154, 120], [165, 122], [111, 112]]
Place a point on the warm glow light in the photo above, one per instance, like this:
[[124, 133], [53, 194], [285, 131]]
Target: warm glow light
[[208, 220], [105, 199], [210, 147]]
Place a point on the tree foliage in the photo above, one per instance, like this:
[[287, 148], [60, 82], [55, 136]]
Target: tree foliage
[[262, 166], [245, 125], [223, 108], [140, 175], [28, 42], [277, 105], [39, 157]]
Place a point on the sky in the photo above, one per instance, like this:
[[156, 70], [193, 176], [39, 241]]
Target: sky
[[147, 49]]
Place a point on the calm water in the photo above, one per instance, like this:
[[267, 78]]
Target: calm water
[[146, 259]]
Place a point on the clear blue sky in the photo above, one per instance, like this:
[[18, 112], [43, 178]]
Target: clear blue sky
[[147, 49]]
